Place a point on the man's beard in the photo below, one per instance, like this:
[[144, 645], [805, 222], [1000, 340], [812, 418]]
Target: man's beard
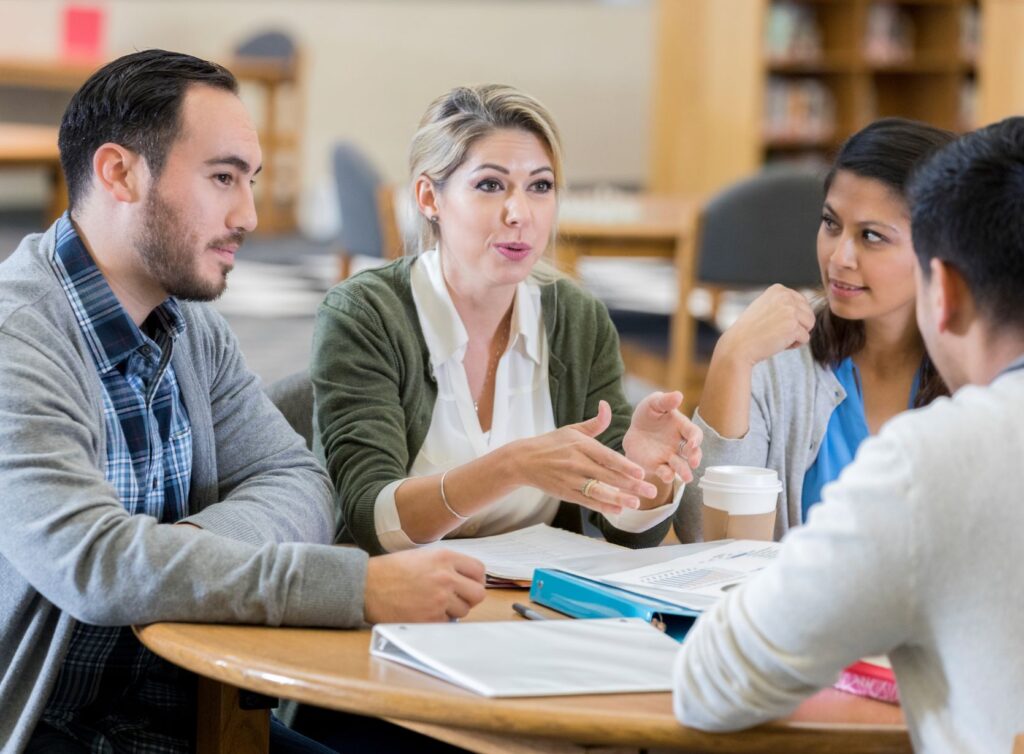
[[170, 253]]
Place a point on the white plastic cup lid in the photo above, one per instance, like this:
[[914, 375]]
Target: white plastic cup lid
[[741, 479]]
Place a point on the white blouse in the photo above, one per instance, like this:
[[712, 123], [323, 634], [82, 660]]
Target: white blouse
[[522, 409]]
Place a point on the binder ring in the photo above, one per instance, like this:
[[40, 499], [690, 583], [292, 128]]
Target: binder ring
[[588, 486]]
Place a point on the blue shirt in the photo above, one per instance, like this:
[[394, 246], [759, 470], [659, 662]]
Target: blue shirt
[[112, 693], [847, 429]]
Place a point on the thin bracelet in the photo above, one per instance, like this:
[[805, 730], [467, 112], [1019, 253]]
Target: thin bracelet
[[444, 499]]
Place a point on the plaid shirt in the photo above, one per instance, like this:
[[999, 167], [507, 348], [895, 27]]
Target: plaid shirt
[[112, 694]]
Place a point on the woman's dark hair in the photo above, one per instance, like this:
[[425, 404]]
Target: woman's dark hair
[[134, 101], [888, 151]]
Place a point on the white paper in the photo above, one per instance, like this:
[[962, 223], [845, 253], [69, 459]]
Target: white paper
[[516, 554], [697, 580], [534, 658]]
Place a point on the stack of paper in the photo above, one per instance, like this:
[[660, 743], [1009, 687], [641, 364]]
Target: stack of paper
[[511, 558]]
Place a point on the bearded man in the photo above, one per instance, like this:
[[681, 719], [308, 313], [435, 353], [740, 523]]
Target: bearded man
[[144, 476]]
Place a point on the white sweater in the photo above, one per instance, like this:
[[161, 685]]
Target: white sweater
[[915, 553]]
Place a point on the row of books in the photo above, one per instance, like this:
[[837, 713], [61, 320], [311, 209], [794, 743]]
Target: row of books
[[803, 110], [798, 110], [793, 33]]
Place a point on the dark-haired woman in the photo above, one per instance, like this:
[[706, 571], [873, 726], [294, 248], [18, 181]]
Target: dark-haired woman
[[797, 389]]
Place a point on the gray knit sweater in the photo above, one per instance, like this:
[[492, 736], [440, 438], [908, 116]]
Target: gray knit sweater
[[68, 549], [914, 553]]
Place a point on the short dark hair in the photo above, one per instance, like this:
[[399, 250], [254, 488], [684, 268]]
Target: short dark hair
[[967, 209], [888, 151], [134, 101]]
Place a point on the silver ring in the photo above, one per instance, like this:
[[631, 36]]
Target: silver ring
[[588, 486], [679, 448]]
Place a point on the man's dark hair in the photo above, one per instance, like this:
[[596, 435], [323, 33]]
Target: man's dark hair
[[967, 209], [134, 101], [887, 151]]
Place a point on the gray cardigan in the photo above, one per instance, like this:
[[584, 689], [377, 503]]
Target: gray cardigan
[[792, 399], [68, 549]]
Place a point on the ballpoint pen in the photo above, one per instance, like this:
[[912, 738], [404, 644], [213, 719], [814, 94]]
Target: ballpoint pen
[[526, 612]]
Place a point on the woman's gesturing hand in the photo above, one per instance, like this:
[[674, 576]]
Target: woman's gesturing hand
[[778, 319], [571, 465], [661, 440]]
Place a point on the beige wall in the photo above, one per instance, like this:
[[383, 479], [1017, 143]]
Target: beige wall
[[373, 66]]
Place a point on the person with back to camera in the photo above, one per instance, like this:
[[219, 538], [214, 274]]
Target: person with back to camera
[[468, 390], [798, 389], [915, 552]]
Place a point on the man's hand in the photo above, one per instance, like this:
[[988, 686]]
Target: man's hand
[[421, 586]]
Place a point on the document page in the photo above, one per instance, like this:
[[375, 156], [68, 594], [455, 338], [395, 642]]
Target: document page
[[513, 556], [696, 580]]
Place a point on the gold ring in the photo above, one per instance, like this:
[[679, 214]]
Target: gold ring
[[588, 486]]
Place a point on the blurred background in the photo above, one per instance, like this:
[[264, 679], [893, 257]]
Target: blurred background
[[663, 105]]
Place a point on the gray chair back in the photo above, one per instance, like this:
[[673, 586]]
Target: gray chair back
[[763, 230], [357, 183], [272, 45], [293, 396]]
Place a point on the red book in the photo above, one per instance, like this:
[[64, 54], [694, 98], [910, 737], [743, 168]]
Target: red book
[[871, 677], [83, 33]]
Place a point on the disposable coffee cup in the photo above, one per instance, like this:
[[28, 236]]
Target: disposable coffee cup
[[739, 502]]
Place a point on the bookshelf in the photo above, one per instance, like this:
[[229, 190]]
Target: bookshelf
[[741, 83]]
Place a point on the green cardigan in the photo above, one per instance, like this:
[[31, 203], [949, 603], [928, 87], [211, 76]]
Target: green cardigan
[[375, 392]]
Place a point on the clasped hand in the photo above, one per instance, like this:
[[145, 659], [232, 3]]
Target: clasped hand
[[563, 461]]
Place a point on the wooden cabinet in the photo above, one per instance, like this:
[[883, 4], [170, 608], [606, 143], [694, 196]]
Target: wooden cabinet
[[733, 91]]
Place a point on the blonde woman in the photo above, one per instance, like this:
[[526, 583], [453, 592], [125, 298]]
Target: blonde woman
[[467, 391]]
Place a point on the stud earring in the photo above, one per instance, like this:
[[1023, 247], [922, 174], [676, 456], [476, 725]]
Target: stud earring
[[434, 219]]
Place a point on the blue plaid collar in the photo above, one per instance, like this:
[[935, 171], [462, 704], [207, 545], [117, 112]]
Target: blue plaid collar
[[110, 332]]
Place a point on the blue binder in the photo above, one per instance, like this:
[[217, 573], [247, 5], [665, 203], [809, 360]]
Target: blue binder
[[581, 597]]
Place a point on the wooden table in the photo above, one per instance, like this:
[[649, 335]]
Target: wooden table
[[643, 225], [35, 147], [334, 669]]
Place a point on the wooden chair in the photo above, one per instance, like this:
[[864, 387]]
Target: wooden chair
[[272, 62]]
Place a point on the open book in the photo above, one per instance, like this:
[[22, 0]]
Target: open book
[[697, 580], [511, 558], [668, 591], [534, 658]]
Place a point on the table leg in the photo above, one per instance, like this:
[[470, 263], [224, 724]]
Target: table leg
[[223, 727]]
